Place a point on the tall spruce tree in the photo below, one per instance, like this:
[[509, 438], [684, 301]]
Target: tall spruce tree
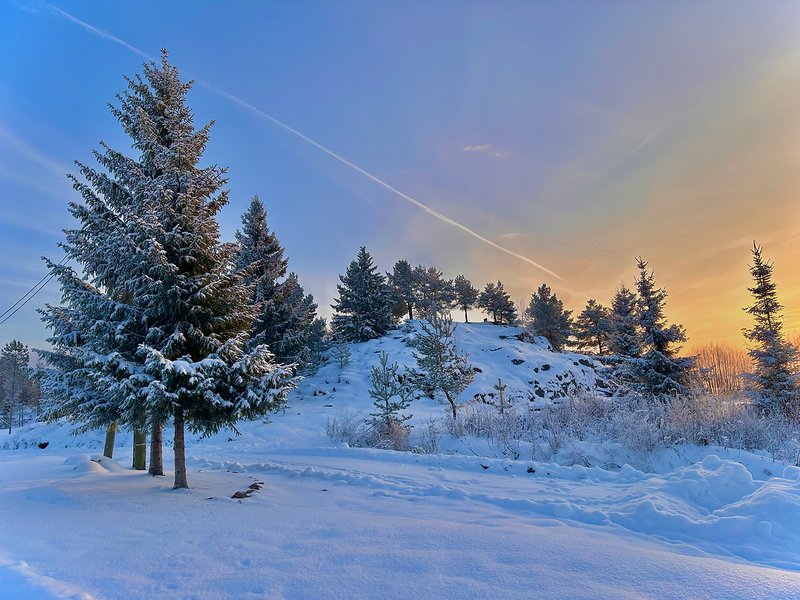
[[624, 339], [286, 320], [156, 331], [773, 384], [364, 306], [287, 316], [659, 371], [593, 327], [497, 302], [549, 319], [405, 284], [466, 296], [296, 322]]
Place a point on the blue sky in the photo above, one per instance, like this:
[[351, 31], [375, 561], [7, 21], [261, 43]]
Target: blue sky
[[577, 134]]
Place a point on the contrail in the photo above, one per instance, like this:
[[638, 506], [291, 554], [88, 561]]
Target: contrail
[[260, 113], [102, 34]]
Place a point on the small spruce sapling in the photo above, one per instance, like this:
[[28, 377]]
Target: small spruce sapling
[[441, 367], [386, 385], [341, 352]]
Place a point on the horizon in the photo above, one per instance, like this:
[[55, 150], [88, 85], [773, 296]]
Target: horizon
[[672, 137]]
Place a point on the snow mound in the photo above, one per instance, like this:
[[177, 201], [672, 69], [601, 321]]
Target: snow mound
[[18, 580], [83, 463]]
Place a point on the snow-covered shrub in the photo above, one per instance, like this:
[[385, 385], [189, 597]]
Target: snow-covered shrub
[[393, 436], [636, 430], [428, 438], [350, 427]]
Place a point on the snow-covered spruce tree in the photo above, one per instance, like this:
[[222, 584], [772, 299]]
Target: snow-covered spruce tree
[[387, 384], [497, 302], [364, 306], [292, 322], [403, 280], [773, 384], [157, 276], [440, 367], [434, 292], [260, 252], [14, 359], [549, 319], [624, 339], [659, 371], [286, 322], [466, 296], [593, 327]]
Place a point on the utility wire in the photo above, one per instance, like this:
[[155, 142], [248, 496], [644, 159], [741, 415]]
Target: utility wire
[[38, 287]]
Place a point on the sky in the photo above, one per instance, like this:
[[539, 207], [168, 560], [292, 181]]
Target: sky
[[578, 135]]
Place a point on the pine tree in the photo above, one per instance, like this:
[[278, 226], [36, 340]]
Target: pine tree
[[364, 306], [624, 338], [495, 301], [466, 296], [593, 327], [14, 359], [549, 319], [403, 280], [660, 371], [773, 385], [434, 292], [388, 384], [157, 330], [441, 367]]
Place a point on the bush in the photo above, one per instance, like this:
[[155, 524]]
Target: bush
[[639, 424], [428, 438], [349, 427]]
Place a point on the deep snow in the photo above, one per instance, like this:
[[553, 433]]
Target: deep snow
[[338, 522]]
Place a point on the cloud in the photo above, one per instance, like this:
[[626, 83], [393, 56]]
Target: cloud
[[488, 150]]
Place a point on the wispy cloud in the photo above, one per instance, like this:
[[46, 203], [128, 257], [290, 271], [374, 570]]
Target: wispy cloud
[[488, 150], [29, 167]]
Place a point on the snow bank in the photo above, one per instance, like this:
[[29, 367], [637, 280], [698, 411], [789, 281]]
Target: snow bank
[[18, 581]]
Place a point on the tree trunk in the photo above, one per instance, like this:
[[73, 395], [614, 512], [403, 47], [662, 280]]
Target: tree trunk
[[466, 318], [156, 458], [140, 450], [452, 404], [410, 311], [111, 434], [180, 454]]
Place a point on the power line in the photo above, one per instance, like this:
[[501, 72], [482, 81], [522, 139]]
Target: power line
[[38, 287]]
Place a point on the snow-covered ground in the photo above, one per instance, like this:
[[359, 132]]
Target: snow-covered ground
[[331, 521]]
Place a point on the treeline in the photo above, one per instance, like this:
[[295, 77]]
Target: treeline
[[631, 335], [19, 392], [633, 331]]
